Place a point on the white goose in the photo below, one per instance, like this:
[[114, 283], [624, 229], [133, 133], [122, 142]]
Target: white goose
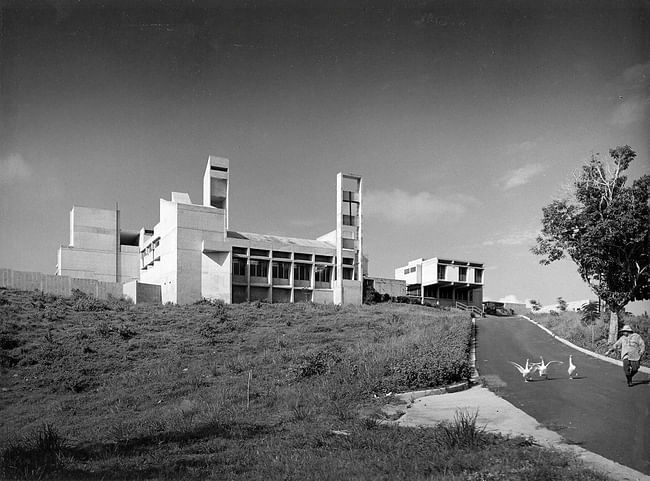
[[525, 371], [572, 367], [542, 367]]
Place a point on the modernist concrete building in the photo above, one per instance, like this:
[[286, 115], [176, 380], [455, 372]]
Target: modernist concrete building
[[98, 248], [444, 281], [192, 253]]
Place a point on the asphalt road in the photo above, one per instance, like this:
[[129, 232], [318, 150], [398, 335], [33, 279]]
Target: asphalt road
[[597, 410]]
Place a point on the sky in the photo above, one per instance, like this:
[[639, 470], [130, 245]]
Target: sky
[[464, 119]]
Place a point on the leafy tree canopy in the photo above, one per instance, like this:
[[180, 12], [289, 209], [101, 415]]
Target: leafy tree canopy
[[603, 226]]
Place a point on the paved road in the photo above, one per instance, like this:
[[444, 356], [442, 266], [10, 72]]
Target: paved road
[[597, 411]]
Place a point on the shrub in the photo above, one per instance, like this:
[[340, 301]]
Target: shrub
[[85, 302], [462, 432], [316, 363], [37, 456], [126, 332]]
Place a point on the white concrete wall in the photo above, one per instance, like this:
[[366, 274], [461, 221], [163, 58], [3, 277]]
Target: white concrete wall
[[429, 272], [216, 269], [323, 296], [163, 272], [87, 264], [129, 263], [94, 228]]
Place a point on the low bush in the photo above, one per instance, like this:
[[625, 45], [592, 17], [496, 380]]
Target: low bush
[[36, 456], [462, 431]]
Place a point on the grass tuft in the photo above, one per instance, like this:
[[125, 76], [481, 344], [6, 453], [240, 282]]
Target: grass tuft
[[39, 454]]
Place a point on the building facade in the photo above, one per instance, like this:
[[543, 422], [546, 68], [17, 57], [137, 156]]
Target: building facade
[[192, 253], [444, 282], [99, 249]]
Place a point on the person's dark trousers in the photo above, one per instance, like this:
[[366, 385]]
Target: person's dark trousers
[[630, 368]]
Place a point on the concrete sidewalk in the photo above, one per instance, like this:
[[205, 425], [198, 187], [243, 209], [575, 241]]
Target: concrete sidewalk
[[498, 415]]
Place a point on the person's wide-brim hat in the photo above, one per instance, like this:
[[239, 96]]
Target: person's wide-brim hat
[[626, 328]]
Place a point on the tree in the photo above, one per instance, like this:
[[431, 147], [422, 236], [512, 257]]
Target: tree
[[561, 304], [535, 305], [588, 316], [603, 226]]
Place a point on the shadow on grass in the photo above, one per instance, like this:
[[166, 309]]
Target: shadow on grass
[[65, 458], [133, 446]]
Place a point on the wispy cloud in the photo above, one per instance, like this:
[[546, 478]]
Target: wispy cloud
[[512, 238], [633, 99], [511, 299], [521, 175], [14, 168], [403, 207], [631, 110]]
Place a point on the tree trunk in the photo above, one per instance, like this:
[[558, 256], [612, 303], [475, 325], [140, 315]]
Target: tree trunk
[[613, 327]]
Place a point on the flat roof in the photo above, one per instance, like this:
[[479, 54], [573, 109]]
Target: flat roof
[[288, 241]]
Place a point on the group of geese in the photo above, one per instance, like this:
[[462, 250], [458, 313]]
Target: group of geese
[[542, 368]]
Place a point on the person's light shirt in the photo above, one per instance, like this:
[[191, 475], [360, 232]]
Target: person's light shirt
[[632, 346]]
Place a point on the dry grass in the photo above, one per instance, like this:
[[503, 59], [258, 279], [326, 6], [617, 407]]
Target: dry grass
[[107, 390]]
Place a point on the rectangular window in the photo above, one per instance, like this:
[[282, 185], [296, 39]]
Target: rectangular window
[[259, 268], [348, 261], [302, 257], [442, 271], [413, 290], [239, 266], [282, 254], [406, 271], [240, 250], [281, 270], [323, 258], [259, 253], [412, 269], [462, 274], [302, 272], [445, 293], [348, 273], [478, 276], [323, 273]]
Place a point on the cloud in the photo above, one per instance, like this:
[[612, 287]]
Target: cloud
[[638, 74], [13, 169], [511, 299], [513, 238], [403, 207], [521, 176], [631, 110], [633, 99]]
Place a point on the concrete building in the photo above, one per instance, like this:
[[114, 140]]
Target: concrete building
[[98, 248], [193, 254], [444, 282]]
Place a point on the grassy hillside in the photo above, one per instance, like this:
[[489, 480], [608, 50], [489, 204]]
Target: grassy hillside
[[107, 390]]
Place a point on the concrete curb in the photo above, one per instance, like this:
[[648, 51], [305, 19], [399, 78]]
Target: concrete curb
[[581, 349]]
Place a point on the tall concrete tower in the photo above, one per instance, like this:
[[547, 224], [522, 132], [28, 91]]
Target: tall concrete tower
[[216, 185], [348, 285]]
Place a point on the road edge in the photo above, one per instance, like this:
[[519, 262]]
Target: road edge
[[581, 349]]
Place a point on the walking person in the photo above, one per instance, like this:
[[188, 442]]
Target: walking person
[[632, 348]]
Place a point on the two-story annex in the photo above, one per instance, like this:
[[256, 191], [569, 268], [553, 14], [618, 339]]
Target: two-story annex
[[443, 281], [192, 254]]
